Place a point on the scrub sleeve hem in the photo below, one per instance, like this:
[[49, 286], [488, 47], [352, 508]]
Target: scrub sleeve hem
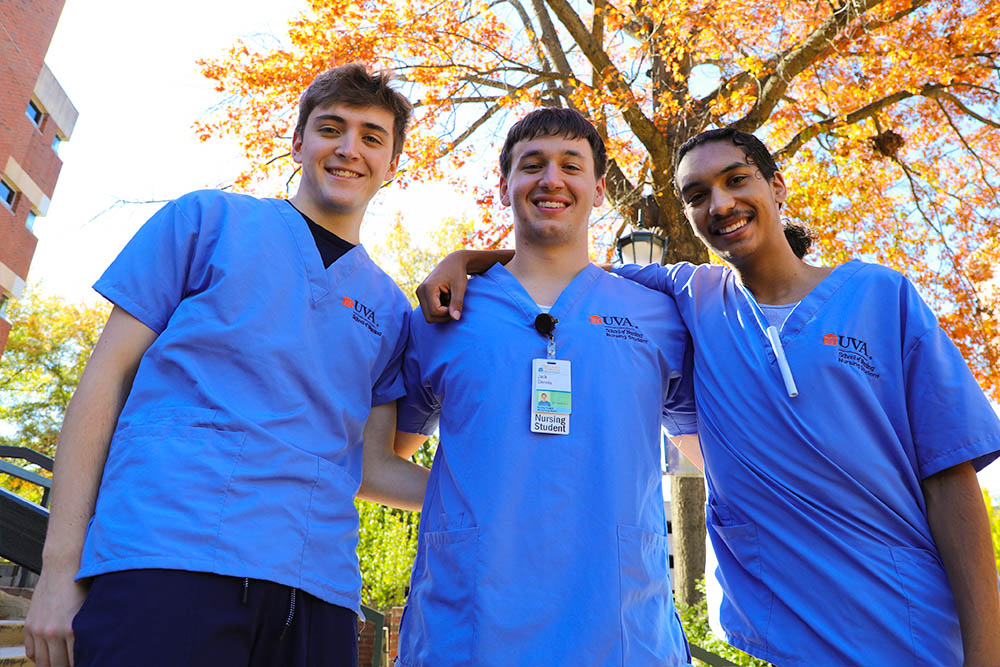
[[120, 299], [980, 454], [323, 590], [677, 427], [389, 395]]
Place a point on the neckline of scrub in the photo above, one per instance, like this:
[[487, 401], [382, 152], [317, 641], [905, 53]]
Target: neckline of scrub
[[807, 308], [570, 294], [322, 279]]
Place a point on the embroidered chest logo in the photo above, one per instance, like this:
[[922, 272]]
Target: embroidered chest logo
[[618, 326], [853, 352], [362, 314]]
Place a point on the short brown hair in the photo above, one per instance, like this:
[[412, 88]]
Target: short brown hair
[[554, 122], [356, 86]]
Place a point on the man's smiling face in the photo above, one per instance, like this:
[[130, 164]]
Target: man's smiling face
[[552, 187], [731, 206], [346, 155]]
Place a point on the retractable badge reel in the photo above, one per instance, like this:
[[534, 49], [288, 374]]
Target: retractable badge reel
[[550, 385]]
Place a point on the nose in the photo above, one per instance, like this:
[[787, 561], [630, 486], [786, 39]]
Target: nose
[[348, 145], [721, 202], [551, 177]]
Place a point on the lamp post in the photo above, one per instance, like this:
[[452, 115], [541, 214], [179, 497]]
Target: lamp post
[[687, 484]]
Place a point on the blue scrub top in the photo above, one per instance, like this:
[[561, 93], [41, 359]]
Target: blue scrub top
[[816, 512], [238, 450], [536, 548]]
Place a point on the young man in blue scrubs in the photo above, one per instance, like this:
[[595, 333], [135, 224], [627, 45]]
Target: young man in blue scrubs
[[841, 432], [203, 501], [543, 537]]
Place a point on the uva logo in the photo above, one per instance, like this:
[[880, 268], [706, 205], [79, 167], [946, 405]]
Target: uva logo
[[612, 321], [620, 327], [849, 343], [362, 314]]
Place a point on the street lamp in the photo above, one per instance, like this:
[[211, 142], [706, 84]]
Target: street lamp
[[641, 246]]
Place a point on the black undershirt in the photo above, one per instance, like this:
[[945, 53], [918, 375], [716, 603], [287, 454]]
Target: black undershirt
[[331, 247]]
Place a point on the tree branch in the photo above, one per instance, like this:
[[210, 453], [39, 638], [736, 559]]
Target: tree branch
[[794, 61], [941, 93], [639, 123]]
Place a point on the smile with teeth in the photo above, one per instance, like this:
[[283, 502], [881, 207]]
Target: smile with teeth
[[732, 227], [343, 173], [551, 204]]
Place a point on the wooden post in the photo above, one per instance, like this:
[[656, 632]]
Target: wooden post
[[687, 516]]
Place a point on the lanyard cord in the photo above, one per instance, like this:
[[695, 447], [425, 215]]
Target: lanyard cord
[[774, 338]]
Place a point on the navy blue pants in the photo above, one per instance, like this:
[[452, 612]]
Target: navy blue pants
[[174, 618]]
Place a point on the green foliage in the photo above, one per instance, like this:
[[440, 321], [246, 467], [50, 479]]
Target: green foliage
[[409, 264], [694, 618], [993, 511], [50, 342], [387, 545]]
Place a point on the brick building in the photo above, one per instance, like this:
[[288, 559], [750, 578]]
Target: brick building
[[35, 116]]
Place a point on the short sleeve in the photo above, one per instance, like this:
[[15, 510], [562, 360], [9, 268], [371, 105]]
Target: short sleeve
[[680, 416], [149, 277], [389, 385], [419, 410], [950, 418]]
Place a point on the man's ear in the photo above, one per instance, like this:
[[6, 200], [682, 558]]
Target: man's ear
[[778, 187], [391, 169], [297, 148], [599, 192], [504, 192]]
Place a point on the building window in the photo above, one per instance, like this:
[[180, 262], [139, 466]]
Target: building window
[[3, 304], [34, 114], [55, 144], [7, 194], [29, 222]]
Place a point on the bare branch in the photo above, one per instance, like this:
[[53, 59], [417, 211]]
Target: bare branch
[[472, 128], [979, 160], [944, 94]]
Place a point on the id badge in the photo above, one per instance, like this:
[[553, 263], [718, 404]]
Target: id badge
[[550, 396]]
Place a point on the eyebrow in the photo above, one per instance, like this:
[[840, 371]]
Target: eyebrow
[[725, 170], [538, 153], [340, 119]]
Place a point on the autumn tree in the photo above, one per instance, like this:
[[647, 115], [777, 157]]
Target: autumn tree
[[883, 114]]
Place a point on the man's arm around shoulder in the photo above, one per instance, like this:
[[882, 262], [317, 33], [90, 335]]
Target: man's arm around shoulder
[[83, 449]]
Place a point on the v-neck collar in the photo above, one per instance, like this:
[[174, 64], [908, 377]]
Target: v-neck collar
[[806, 308], [322, 279], [564, 304]]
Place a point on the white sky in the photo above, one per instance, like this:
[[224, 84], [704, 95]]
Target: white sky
[[129, 68]]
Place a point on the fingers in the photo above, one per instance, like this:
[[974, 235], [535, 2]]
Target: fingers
[[456, 291], [53, 651], [433, 302]]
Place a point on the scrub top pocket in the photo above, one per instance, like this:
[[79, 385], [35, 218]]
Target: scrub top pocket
[[932, 613], [644, 589], [191, 465], [745, 612], [442, 596]]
